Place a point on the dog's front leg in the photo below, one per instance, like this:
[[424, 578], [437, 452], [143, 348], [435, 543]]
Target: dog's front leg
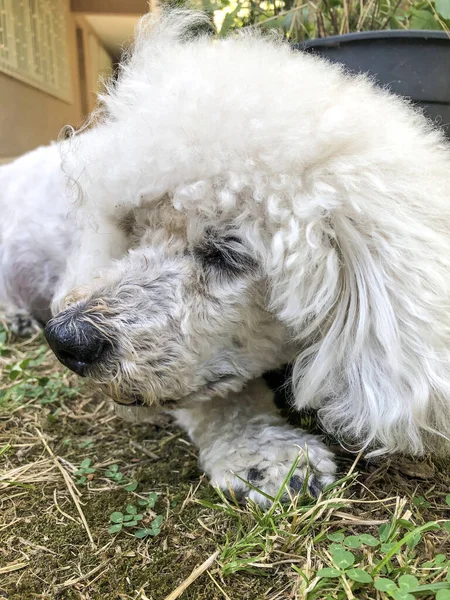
[[243, 437]]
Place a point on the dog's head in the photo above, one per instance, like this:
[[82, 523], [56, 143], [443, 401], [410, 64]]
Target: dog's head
[[239, 200], [208, 265], [183, 312]]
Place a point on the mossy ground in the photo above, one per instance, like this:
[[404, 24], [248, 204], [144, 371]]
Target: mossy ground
[[49, 425]]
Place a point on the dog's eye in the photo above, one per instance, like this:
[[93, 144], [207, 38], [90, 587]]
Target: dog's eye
[[225, 253]]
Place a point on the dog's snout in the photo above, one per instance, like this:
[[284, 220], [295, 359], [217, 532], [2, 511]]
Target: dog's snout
[[77, 344]]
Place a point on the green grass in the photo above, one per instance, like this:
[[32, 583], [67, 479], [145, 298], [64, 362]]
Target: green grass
[[390, 560], [382, 531]]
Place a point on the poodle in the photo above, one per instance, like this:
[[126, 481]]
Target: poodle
[[239, 206]]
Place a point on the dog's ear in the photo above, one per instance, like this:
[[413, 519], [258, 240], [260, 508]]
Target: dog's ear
[[331, 284], [305, 270]]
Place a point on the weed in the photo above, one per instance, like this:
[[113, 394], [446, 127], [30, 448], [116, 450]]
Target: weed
[[300, 20], [32, 377], [399, 587], [132, 518], [85, 472], [420, 501], [128, 519], [131, 487], [154, 529], [114, 474], [150, 501], [5, 449], [87, 444]]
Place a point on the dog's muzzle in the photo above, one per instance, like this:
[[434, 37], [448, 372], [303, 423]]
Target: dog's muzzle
[[77, 344]]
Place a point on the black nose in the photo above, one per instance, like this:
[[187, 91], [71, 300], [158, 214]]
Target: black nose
[[77, 344]]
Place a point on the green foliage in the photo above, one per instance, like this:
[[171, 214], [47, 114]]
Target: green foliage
[[152, 530], [4, 449], [131, 487], [388, 560], [407, 585], [84, 471], [421, 18], [300, 20], [114, 474], [150, 501], [420, 501], [132, 518], [30, 379], [87, 444], [443, 8], [394, 582]]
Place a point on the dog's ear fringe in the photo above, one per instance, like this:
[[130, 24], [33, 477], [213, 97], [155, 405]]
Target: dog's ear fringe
[[360, 365]]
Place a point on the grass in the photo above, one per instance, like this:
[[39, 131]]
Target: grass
[[94, 508]]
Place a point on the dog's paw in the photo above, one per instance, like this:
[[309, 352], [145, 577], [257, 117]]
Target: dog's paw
[[264, 460], [21, 324]]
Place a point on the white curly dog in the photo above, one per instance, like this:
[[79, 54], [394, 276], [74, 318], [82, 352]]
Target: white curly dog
[[239, 206]]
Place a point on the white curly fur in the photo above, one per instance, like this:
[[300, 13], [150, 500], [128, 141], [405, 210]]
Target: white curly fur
[[36, 229], [341, 189], [337, 197], [256, 446]]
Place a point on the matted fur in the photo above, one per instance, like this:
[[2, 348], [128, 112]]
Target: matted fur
[[240, 205]]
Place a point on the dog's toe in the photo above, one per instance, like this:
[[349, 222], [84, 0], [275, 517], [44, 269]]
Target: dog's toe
[[21, 324], [268, 473]]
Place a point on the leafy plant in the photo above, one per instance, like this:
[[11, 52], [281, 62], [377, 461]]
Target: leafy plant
[[344, 561], [26, 380], [407, 585], [394, 583], [420, 501], [131, 487], [152, 530], [387, 560], [132, 518], [128, 519], [86, 444], [114, 474], [300, 20], [150, 501], [84, 471]]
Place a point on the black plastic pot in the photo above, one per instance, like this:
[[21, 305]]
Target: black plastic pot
[[412, 63]]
